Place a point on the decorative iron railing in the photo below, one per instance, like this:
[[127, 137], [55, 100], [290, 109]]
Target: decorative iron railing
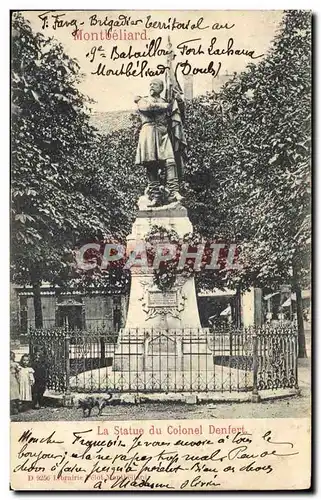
[[185, 360], [277, 352]]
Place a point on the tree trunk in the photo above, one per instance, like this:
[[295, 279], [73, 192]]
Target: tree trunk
[[299, 313], [238, 314], [37, 304]]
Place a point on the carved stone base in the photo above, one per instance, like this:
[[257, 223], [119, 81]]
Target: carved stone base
[[163, 351], [162, 342], [173, 216], [151, 308], [148, 306]]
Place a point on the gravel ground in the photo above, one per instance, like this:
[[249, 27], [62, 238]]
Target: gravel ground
[[298, 406]]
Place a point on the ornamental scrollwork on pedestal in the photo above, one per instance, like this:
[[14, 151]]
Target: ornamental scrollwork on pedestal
[[153, 310]]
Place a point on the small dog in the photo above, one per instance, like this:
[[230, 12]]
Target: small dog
[[93, 402]]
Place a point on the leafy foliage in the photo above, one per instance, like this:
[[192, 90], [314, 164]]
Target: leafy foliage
[[58, 191], [249, 166], [246, 178]]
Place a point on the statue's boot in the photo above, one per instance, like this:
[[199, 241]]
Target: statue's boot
[[153, 190], [154, 194], [172, 183]]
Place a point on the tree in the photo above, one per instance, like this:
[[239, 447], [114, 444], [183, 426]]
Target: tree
[[53, 143], [112, 166], [246, 177], [248, 171], [205, 180], [279, 145], [113, 180], [264, 157]]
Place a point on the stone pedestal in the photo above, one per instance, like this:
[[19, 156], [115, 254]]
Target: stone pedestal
[[148, 306], [163, 360], [146, 350], [162, 344], [151, 308]]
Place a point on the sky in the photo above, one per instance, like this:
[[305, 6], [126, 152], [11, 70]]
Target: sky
[[251, 31]]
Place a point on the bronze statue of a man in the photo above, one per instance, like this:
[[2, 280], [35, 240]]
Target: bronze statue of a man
[[155, 146]]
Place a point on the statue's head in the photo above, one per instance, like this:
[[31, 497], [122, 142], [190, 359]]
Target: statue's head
[[156, 87]]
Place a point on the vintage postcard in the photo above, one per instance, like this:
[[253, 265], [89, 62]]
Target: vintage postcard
[[160, 250]]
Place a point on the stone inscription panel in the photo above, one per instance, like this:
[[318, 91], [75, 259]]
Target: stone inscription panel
[[162, 299]]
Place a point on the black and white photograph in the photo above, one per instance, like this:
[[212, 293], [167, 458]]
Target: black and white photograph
[[160, 224]]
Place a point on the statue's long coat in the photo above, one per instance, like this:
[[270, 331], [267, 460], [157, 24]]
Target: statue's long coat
[[154, 143]]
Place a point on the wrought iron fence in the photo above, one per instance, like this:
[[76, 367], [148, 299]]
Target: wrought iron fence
[[52, 342], [277, 352], [151, 360]]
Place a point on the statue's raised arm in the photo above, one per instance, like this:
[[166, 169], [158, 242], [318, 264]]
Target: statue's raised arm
[[145, 105]]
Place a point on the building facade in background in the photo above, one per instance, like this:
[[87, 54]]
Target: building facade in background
[[107, 311], [68, 309]]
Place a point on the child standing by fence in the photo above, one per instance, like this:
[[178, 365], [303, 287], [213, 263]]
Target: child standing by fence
[[14, 384], [26, 379], [40, 375]]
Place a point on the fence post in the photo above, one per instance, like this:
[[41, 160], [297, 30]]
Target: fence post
[[30, 343], [67, 398], [255, 393], [102, 348], [296, 355], [231, 341]]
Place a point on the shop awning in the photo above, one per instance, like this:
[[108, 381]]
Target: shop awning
[[288, 301], [267, 297], [226, 311], [305, 295]]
